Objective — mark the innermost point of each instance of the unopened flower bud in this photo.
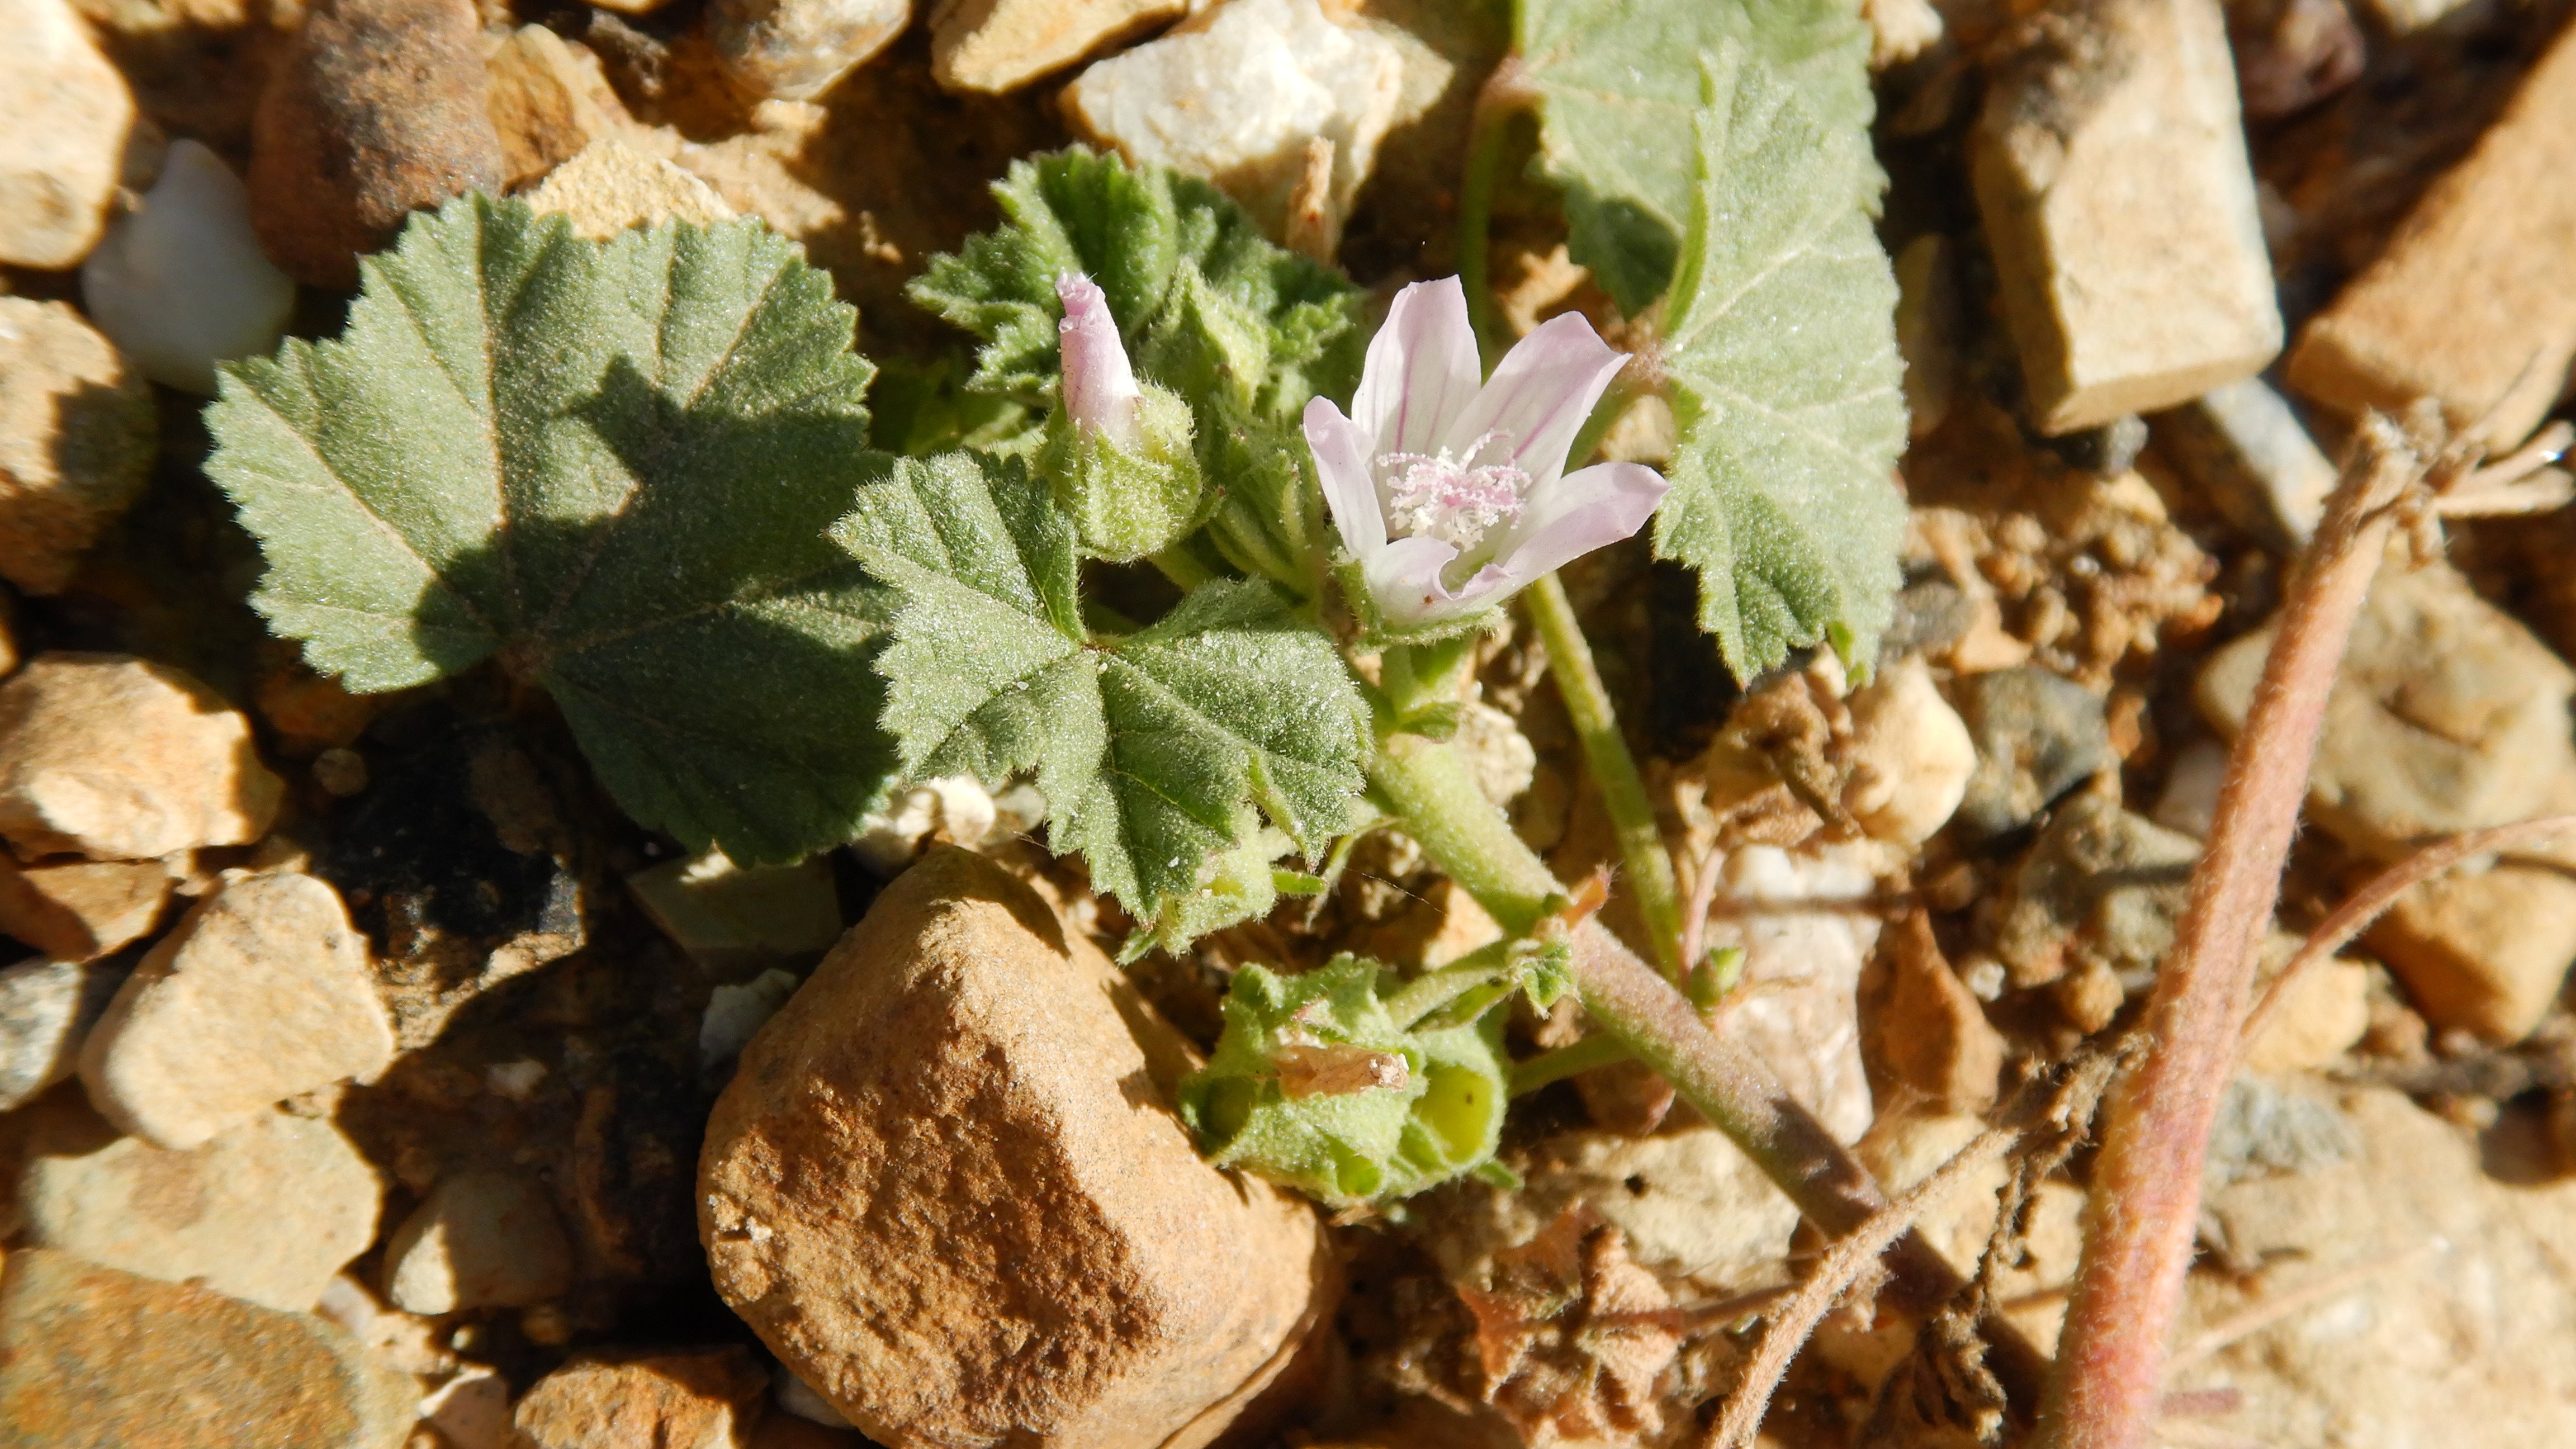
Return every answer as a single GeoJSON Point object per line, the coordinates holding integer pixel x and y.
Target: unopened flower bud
{"type": "Point", "coordinates": [1100, 392]}
{"type": "Point", "coordinates": [1117, 451]}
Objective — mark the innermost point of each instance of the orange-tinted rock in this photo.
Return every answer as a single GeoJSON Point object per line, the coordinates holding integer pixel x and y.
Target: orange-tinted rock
{"type": "Point", "coordinates": [120, 759]}
{"type": "Point", "coordinates": [946, 1187]}
{"type": "Point", "coordinates": [701, 1400]}
{"type": "Point", "coordinates": [377, 112]}
{"type": "Point", "coordinates": [91, 1358]}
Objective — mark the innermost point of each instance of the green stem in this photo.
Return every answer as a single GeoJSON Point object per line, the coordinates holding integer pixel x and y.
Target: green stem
{"type": "Point", "coordinates": [1430, 786]}
{"type": "Point", "coordinates": [1435, 989]}
{"type": "Point", "coordinates": [1614, 769]}
{"type": "Point", "coordinates": [1490, 131]}
{"type": "Point", "coordinates": [1600, 1049]}
{"type": "Point", "coordinates": [1184, 565]}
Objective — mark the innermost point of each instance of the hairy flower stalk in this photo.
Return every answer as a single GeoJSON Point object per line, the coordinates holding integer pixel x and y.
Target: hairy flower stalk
{"type": "Point", "coordinates": [1117, 450]}
{"type": "Point", "coordinates": [1449, 489]}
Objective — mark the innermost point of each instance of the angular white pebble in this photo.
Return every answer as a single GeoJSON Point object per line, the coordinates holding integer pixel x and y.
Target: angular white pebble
{"type": "Point", "coordinates": [181, 284]}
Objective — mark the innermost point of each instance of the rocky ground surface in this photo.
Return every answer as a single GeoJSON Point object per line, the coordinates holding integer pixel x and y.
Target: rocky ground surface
{"type": "Point", "coordinates": [366, 1077]}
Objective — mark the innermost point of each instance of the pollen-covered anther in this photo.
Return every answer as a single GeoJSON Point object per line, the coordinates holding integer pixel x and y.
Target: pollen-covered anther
{"type": "Point", "coordinates": [1450, 496]}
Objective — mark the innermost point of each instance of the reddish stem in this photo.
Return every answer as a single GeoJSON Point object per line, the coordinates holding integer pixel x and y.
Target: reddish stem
{"type": "Point", "coordinates": [2144, 1204]}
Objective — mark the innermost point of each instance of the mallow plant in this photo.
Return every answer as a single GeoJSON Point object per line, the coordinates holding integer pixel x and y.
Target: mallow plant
{"type": "Point", "coordinates": [644, 478]}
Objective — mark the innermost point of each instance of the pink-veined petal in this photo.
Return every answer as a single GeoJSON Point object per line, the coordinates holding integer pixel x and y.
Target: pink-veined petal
{"type": "Point", "coordinates": [1540, 394]}
{"type": "Point", "coordinates": [1587, 509]}
{"type": "Point", "coordinates": [1404, 579]}
{"type": "Point", "coordinates": [1100, 392]}
{"type": "Point", "coordinates": [1422, 370]}
{"type": "Point", "coordinates": [1341, 448]}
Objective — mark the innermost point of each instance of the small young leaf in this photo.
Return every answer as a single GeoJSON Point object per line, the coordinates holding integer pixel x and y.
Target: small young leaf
{"type": "Point", "coordinates": [1208, 307]}
{"type": "Point", "coordinates": [609, 466]}
{"type": "Point", "coordinates": [1314, 1085]}
{"type": "Point", "coordinates": [1157, 751]}
{"type": "Point", "coordinates": [1781, 345]}
{"type": "Point", "coordinates": [1617, 82]}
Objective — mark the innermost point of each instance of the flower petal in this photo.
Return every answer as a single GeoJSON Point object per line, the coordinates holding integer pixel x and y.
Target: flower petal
{"type": "Point", "coordinates": [1100, 392]}
{"type": "Point", "coordinates": [1539, 395]}
{"type": "Point", "coordinates": [1404, 579]}
{"type": "Point", "coordinates": [1584, 510]}
{"type": "Point", "coordinates": [1422, 370]}
{"type": "Point", "coordinates": [1342, 448]}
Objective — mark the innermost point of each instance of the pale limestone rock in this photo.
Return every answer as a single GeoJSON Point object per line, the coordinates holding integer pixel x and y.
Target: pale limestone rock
{"type": "Point", "coordinates": [2447, 1298]}
{"type": "Point", "coordinates": [977, 1219]}
{"type": "Point", "coordinates": [81, 910]}
{"type": "Point", "coordinates": [696, 1400]}
{"type": "Point", "coordinates": [1001, 45]}
{"type": "Point", "coordinates": [46, 1009]}
{"type": "Point", "coordinates": [2405, 16]}
{"type": "Point", "coordinates": [1806, 932]}
{"type": "Point", "coordinates": [261, 992]}
{"type": "Point", "coordinates": [2189, 803]}
{"type": "Point", "coordinates": [1692, 1206]}
{"type": "Point", "coordinates": [2469, 304]}
{"type": "Point", "coordinates": [404, 1342]}
{"type": "Point", "coordinates": [470, 1411]}
{"type": "Point", "coordinates": [121, 759]}
{"type": "Point", "coordinates": [91, 1356]}
{"type": "Point", "coordinates": [1901, 30]}
{"type": "Point", "coordinates": [2482, 951]}
{"type": "Point", "coordinates": [77, 433]}
{"type": "Point", "coordinates": [2322, 1015]}
{"type": "Point", "coordinates": [611, 186]}
{"type": "Point", "coordinates": [481, 1240]}
{"type": "Point", "coordinates": [794, 50]}
{"type": "Point", "coordinates": [65, 114]}
{"type": "Point", "coordinates": [1239, 93]}
{"type": "Point", "coordinates": [735, 1013]}
{"type": "Point", "coordinates": [2111, 173]}
{"type": "Point", "coordinates": [1911, 757]}
{"type": "Point", "coordinates": [736, 921]}
{"type": "Point", "coordinates": [2250, 454]}
{"type": "Point", "coordinates": [181, 284]}
{"type": "Point", "coordinates": [2447, 716]}
{"type": "Point", "coordinates": [267, 1212]}
{"type": "Point", "coordinates": [543, 106]}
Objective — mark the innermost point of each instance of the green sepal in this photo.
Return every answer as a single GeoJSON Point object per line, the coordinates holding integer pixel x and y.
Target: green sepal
{"type": "Point", "coordinates": [1304, 1088]}
{"type": "Point", "coordinates": [1126, 503]}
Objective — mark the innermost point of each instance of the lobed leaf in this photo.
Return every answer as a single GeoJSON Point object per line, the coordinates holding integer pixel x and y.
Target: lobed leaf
{"type": "Point", "coordinates": [610, 466]}
{"type": "Point", "coordinates": [1618, 82]}
{"type": "Point", "coordinates": [1159, 752]}
{"type": "Point", "coordinates": [1208, 306]}
{"type": "Point", "coordinates": [1780, 346]}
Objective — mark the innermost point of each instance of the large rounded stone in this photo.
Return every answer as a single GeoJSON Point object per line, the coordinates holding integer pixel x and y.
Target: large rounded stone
{"type": "Point", "coordinates": [946, 1187]}
{"type": "Point", "coordinates": [378, 112]}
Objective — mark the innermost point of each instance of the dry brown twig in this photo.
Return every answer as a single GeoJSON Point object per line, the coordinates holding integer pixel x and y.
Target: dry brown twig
{"type": "Point", "coordinates": [2373, 900]}
{"type": "Point", "coordinates": [2144, 1205]}
{"type": "Point", "coordinates": [2057, 1106]}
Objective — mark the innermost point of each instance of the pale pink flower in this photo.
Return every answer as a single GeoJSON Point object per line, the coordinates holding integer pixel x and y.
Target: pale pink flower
{"type": "Point", "coordinates": [1449, 489]}
{"type": "Point", "coordinates": [1100, 392]}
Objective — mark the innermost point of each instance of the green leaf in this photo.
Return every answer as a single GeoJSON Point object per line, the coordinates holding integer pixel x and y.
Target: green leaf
{"type": "Point", "coordinates": [1617, 83]}
{"type": "Point", "coordinates": [611, 467]}
{"type": "Point", "coordinates": [1159, 751]}
{"type": "Point", "coordinates": [1208, 307]}
{"type": "Point", "coordinates": [1780, 344]}
{"type": "Point", "coordinates": [1313, 1085]}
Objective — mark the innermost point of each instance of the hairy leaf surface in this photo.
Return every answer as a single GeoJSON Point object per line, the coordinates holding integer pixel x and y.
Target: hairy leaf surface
{"type": "Point", "coordinates": [1780, 342]}
{"type": "Point", "coordinates": [612, 467]}
{"type": "Point", "coordinates": [1208, 307]}
{"type": "Point", "coordinates": [1618, 82]}
{"type": "Point", "coordinates": [1157, 751]}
